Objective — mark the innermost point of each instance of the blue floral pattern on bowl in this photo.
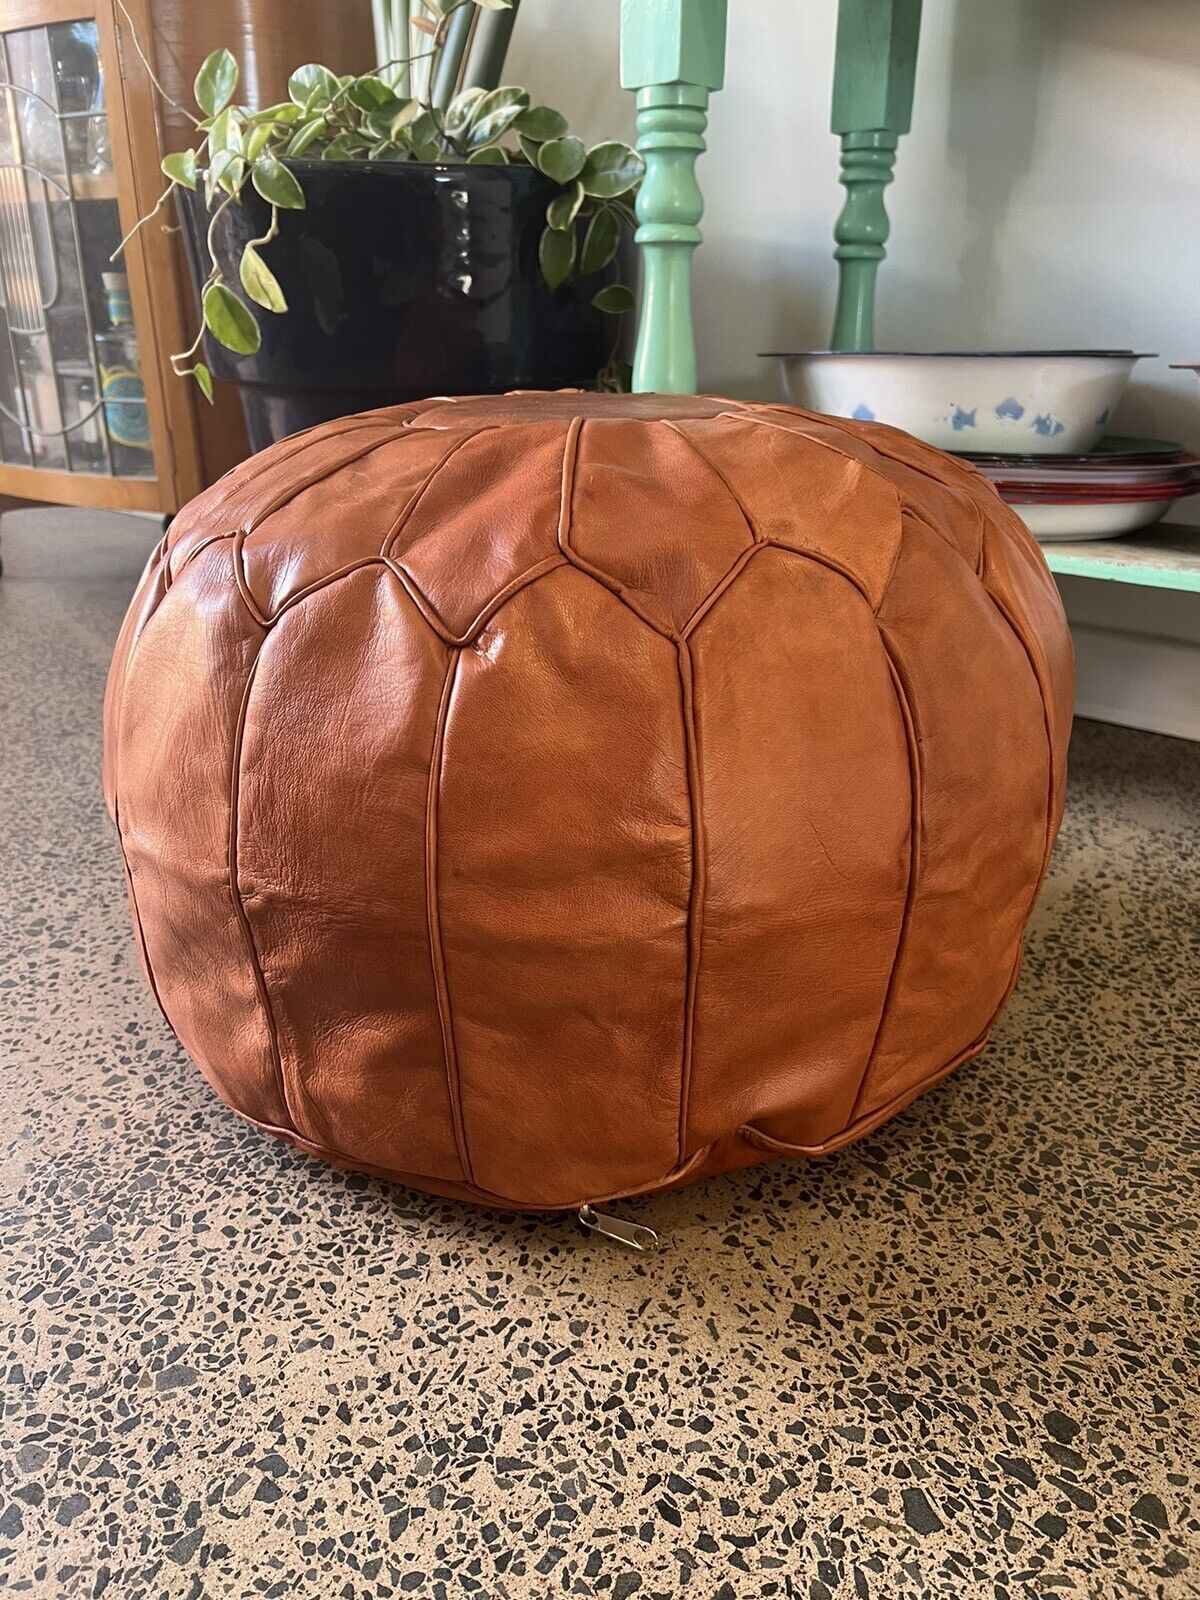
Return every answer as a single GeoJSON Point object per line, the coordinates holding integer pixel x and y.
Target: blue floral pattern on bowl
{"type": "Point", "coordinates": [1040, 402]}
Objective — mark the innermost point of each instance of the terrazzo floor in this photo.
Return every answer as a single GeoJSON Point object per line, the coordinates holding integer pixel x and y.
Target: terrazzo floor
{"type": "Point", "coordinates": [959, 1359]}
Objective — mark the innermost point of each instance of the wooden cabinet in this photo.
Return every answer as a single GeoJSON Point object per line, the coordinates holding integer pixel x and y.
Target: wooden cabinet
{"type": "Point", "coordinates": [90, 412]}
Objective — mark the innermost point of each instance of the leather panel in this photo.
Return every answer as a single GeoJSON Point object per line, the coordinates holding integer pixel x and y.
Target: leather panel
{"type": "Point", "coordinates": [241, 499]}
{"type": "Point", "coordinates": [806, 827]}
{"type": "Point", "coordinates": [196, 650]}
{"type": "Point", "coordinates": [809, 495]}
{"type": "Point", "coordinates": [984, 793]}
{"type": "Point", "coordinates": [331, 859]}
{"type": "Point", "coordinates": [281, 557]}
{"type": "Point", "coordinates": [440, 544]}
{"type": "Point", "coordinates": [146, 597]}
{"type": "Point", "coordinates": [666, 566]}
{"type": "Point", "coordinates": [564, 872]}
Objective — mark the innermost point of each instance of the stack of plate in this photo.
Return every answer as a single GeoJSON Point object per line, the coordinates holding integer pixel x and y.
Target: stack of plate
{"type": "Point", "coordinates": [1120, 485]}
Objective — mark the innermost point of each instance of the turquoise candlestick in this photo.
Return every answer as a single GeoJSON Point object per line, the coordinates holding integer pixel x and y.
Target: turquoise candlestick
{"type": "Point", "coordinates": [672, 56]}
{"type": "Point", "coordinates": [873, 79]}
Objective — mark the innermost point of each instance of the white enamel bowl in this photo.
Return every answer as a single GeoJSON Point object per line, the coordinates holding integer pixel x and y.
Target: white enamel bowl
{"type": "Point", "coordinates": [1026, 402]}
{"type": "Point", "coordinates": [1060, 523]}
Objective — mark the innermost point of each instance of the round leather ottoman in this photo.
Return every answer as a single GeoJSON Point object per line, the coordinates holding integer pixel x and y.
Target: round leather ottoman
{"type": "Point", "coordinates": [550, 797]}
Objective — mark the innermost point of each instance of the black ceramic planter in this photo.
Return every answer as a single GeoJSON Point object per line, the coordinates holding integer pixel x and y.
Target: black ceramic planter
{"type": "Point", "coordinates": [402, 280]}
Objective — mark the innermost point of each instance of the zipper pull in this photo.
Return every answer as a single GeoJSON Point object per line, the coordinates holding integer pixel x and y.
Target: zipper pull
{"type": "Point", "coordinates": [631, 1234]}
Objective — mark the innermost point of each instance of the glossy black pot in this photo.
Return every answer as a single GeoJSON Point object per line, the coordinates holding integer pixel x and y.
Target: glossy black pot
{"type": "Point", "coordinates": [402, 280]}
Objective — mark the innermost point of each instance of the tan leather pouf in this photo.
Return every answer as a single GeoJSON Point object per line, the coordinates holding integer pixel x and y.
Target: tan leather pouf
{"type": "Point", "coordinates": [545, 798]}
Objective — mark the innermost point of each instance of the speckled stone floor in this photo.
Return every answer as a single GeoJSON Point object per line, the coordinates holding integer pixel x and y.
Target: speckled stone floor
{"type": "Point", "coordinates": [959, 1359]}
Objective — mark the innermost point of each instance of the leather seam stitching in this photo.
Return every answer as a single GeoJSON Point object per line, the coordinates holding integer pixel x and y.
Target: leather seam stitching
{"type": "Point", "coordinates": [298, 442]}
{"type": "Point", "coordinates": [235, 889]}
{"type": "Point", "coordinates": [286, 496]}
{"type": "Point", "coordinates": [572, 556]}
{"type": "Point", "coordinates": [253, 523]}
{"type": "Point", "coordinates": [1048, 846]}
{"type": "Point", "coordinates": [489, 1197]}
{"type": "Point", "coordinates": [500, 599]}
{"type": "Point", "coordinates": [243, 583]}
{"type": "Point", "coordinates": [711, 466]}
{"type": "Point", "coordinates": [735, 571]}
{"type": "Point", "coordinates": [205, 544]}
{"type": "Point", "coordinates": [916, 790]}
{"type": "Point", "coordinates": [437, 954]}
{"type": "Point", "coordinates": [881, 1114]}
{"type": "Point", "coordinates": [762, 422]}
{"type": "Point", "coordinates": [831, 566]}
{"type": "Point", "coordinates": [398, 526]}
{"type": "Point", "coordinates": [696, 891]}
{"type": "Point", "coordinates": [539, 570]}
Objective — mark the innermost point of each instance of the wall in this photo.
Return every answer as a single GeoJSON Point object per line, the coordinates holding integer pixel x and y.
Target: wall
{"type": "Point", "coordinates": [1048, 195]}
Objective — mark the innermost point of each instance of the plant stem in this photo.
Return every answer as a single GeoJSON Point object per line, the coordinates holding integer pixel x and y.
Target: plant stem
{"type": "Point", "coordinates": [271, 233]}
{"type": "Point", "coordinates": [142, 57]}
{"type": "Point", "coordinates": [142, 221]}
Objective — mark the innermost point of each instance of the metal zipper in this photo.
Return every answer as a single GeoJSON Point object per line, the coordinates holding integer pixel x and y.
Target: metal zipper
{"type": "Point", "coordinates": [631, 1234]}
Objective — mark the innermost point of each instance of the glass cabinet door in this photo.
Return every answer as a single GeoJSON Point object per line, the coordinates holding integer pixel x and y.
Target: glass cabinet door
{"type": "Point", "coordinates": [71, 390]}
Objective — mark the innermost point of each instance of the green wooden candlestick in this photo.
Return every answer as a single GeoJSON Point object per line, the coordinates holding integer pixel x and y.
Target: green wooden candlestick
{"type": "Point", "coordinates": [672, 56]}
{"type": "Point", "coordinates": [872, 106]}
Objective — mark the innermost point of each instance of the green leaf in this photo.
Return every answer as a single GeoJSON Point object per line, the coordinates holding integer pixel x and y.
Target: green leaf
{"type": "Point", "coordinates": [495, 114]}
{"type": "Point", "coordinates": [226, 171]}
{"type": "Point", "coordinates": [215, 82]}
{"type": "Point", "coordinates": [371, 94]}
{"type": "Point", "coordinates": [425, 139]}
{"type": "Point", "coordinates": [556, 255]}
{"type": "Point", "coordinates": [614, 297]}
{"type": "Point", "coordinates": [564, 208]}
{"type": "Point", "coordinates": [312, 86]}
{"type": "Point", "coordinates": [539, 123]}
{"type": "Point", "coordinates": [276, 184]}
{"type": "Point", "coordinates": [304, 136]}
{"type": "Point", "coordinates": [229, 322]}
{"type": "Point", "coordinates": [204, 378]}
{"type": "Point", "coordinates": [388, 122]}
{"type": "Point", "coordinates": [562, 159]}
{"type": "Point", "coordinates": [345, 147]}
{"type": "Point", "coordinates": [495, 5]}
{"type": "Point", "coordinates": [461, 110]}
{"type": "Point", "coordinates": [284, 111]}
{"type": "Point", "coordinates": [600, 242]}
{"type": "Point", "coordinates": [180, 167]}
{"type": "Point", "coordinates": [611, 169]}
{"type": "Point", "coordinates": [225, 131]}
{"type": "Point", "coordinates": [258, 139]}
{"type": "Point", "coordinates": [259, 282]}
{"type": "Point", "coordinates": [490, 156]}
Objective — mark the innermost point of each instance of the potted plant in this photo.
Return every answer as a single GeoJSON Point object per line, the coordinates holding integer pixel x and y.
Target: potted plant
{"type": "Point", "coordinates": [377, 238]}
